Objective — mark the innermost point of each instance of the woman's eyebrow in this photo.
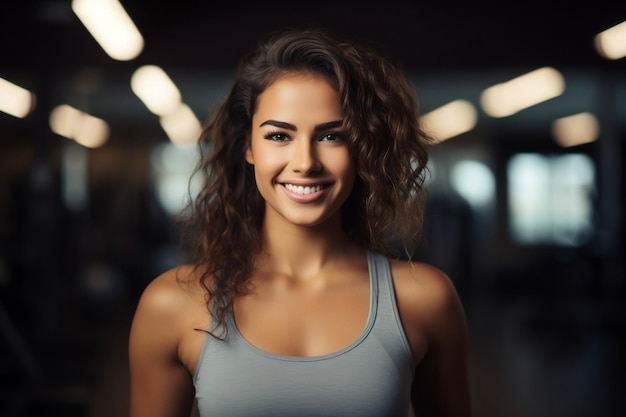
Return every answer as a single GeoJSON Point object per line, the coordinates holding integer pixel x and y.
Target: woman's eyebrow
{"type": "Point", "coordinates": [289, 126]}
{"type": "Point", "coordinates": [282, 125]}
{"type": "Point", "coordinates": [329, 125]}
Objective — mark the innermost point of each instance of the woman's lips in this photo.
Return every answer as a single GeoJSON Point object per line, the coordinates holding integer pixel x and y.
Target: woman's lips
{"type": "Point", "coordinates": [304, 193]}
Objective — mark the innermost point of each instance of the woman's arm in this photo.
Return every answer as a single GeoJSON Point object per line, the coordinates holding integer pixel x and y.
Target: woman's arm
{"type": "Point", "coordinates": [160, 386]}
{"type": "Point", "coordinates": [435, 324]}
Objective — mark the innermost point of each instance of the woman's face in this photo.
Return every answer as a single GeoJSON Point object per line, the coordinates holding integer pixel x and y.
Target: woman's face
{"type": "Point", "coordinates": [302, 165]}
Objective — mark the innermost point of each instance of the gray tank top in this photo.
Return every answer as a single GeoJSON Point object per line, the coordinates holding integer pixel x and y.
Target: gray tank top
{"type": "Point", "coordinates": [369, 378]}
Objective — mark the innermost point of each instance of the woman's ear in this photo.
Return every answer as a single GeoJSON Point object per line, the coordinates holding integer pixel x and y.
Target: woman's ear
{"type": "Point", "coordinates": [249, 157]}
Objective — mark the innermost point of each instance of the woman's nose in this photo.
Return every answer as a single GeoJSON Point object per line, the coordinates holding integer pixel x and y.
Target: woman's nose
{"type": "Point", "coordinates": [304, 158]}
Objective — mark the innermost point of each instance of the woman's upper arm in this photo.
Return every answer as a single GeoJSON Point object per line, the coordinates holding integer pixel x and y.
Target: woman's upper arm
{"type": "Point", "coordinates": [433, 315]}
{"type": "Point", "coordinates": [160, 386]}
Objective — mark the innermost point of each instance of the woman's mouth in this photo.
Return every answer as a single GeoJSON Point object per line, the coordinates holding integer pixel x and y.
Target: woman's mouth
{"type": "Point", "coordinates": [304, 189]}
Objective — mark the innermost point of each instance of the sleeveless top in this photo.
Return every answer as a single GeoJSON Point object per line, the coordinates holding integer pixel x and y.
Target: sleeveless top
{"type": "Point", "coordinates": [369, 378]}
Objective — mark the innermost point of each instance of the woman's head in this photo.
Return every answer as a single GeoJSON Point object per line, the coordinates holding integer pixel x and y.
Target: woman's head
{"type": "Point", "coordinates": [383, 136]}
{"type": "Point", "coordinates": [380, 121]}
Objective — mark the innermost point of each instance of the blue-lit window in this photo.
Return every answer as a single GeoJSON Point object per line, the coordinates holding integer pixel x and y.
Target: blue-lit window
{"type": "Point", "coordinates": [172, 168]}
{"type": "Point", "coordinates": [550, 198]}
{"type": "Point", "coordinates": [475, 182]}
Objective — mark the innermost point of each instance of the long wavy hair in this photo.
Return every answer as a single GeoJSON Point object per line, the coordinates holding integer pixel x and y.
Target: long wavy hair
{"type": "Point", "coordinates": [222, 224]}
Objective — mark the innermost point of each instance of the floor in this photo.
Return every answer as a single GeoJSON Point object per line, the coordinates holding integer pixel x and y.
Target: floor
{"type": "Point", "coordinates": [531, 355]}
{"type": "Point", "coordinates": [535, 356]}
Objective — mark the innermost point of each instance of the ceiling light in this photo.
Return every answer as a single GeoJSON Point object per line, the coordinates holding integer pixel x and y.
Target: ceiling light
{"type": "Point", "coordinates": [510, 97]}
{"type": "Point", "coordinates": [182, 126]}
{"type": "Point", "coordinates": [611, 43]}
{"type": "Point", "coordinates": [576, 130]}
{"type": "Point", "coordinates": [157, 91]}
{"type": "Point", "coordinates": [450, 120]}
{"type": "Point", "coordinates": [74, 124]}
{"type": "Point", "coordinates": [111, 27]}
{"type": "Point", "coordinates": [15, 100]}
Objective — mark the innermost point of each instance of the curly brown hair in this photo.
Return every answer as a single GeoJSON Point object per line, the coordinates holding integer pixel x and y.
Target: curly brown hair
{"type": "Point", "coordinates": [223, 223]}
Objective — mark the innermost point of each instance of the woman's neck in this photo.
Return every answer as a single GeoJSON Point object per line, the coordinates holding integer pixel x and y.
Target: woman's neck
{"type": "Point", "coordinates": [301, 251]}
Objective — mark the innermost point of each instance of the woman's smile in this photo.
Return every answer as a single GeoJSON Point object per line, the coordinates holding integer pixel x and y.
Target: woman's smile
{"type": "Point", "coordinates": [305, 193]}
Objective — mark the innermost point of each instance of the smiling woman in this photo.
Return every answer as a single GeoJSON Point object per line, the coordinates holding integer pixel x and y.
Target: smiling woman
{"type": "Point", "coordinates": [298, 301]}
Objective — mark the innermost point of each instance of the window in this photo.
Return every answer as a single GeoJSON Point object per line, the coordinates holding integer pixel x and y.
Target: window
{"type": "Point", "coordinates": [172, 168]}
{"type": "Point", "coordinates": [475, 182]}
{"type": "Point", "coordinates": [550, 198]}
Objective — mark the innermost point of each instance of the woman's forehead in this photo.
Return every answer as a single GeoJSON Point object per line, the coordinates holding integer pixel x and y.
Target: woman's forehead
{"type": "Point", "coordinates": [299, 96]}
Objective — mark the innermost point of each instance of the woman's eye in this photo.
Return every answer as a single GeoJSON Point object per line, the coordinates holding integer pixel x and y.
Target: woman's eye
{"type": "Point", "coordinates": [331, 137]}
{"type": "Point", "coordinates": [275, 136]}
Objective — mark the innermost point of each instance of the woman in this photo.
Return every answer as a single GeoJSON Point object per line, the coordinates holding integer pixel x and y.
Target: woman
{"type": "Point", "coordinates": [299, 301]}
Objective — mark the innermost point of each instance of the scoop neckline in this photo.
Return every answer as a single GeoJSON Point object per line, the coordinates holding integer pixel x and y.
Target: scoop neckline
{"type": "Point", "coordinates": [373, 306]}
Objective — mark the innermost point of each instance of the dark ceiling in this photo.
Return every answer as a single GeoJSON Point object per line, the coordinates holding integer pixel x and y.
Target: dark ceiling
{"type": "Point", "coordinates": [44, 41]}
{"type": "Point", "coordinates": [421, 34]}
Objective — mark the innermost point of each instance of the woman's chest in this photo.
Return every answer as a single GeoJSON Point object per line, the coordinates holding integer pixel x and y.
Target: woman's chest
{"type": "Point", "coordinates": [298, 322]}
{"type": "Point", "coordinates": [358, 381]}
{"type": "Point", "coordinates": [307, 357]}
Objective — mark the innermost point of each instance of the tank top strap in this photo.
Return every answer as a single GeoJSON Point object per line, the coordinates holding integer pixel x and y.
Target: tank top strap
{"type": "Point", "coordinates": [388, 323]}
{"type": "Point", "coordinates": [380, 275]}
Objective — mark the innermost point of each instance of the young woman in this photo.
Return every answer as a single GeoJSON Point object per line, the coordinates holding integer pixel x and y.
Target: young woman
{"type": "Point", "coordinates": [300, 301]}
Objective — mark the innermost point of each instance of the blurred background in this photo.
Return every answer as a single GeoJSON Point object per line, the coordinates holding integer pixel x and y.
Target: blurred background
{"type": "Point", "coordinates": [526, 194]}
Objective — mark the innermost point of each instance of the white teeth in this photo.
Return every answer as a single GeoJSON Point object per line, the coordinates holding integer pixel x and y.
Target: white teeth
{"type": "Point", "coordinates": [298, 189]}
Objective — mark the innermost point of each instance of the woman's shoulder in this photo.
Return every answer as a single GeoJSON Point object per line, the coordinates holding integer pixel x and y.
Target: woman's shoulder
{"type": "Point", "coordinates": [173, 290]}
{"type": "Point", "coordinates": [424, 292]}
{"type": "Point", "coordinates": [419, 274]}
{"type": "Point", "coordinates": [169, 306]}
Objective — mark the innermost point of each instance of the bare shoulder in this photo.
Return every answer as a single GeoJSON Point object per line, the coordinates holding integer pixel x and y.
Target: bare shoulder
{"type": "Point", "coordinates": [434, 322]}
{"type": "Point", "coordinates": [422, 282]}
{"type": "Point", "coordinates": [172, 289]}
{"type": "Point", "coordinates": [426, 295]}
{"type": "Point", "coordinates": [171, 299]}
{"type": "Point", "coordinates": [160, 356]}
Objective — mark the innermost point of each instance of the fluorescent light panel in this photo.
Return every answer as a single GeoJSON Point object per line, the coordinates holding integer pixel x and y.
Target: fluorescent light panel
{"type": "Point", "coordinates": [111, 27]}
{"type": "Point", "coordinates": [155, 89]}
{"type": "Point", "coordinates": [611, 43]}
{"type": "Point", "coordinates": [576, 130]}
{"type": "Point", "coordinates": [527, 90]}
{"type": "Point", "coordinates": [15, 100]}
{"type": "Point", "coordinates": [452, 119]}
{"type": "Point", "coordinates": [182, 126]}
{"type": "Point", "coordinates": [74, 124]}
